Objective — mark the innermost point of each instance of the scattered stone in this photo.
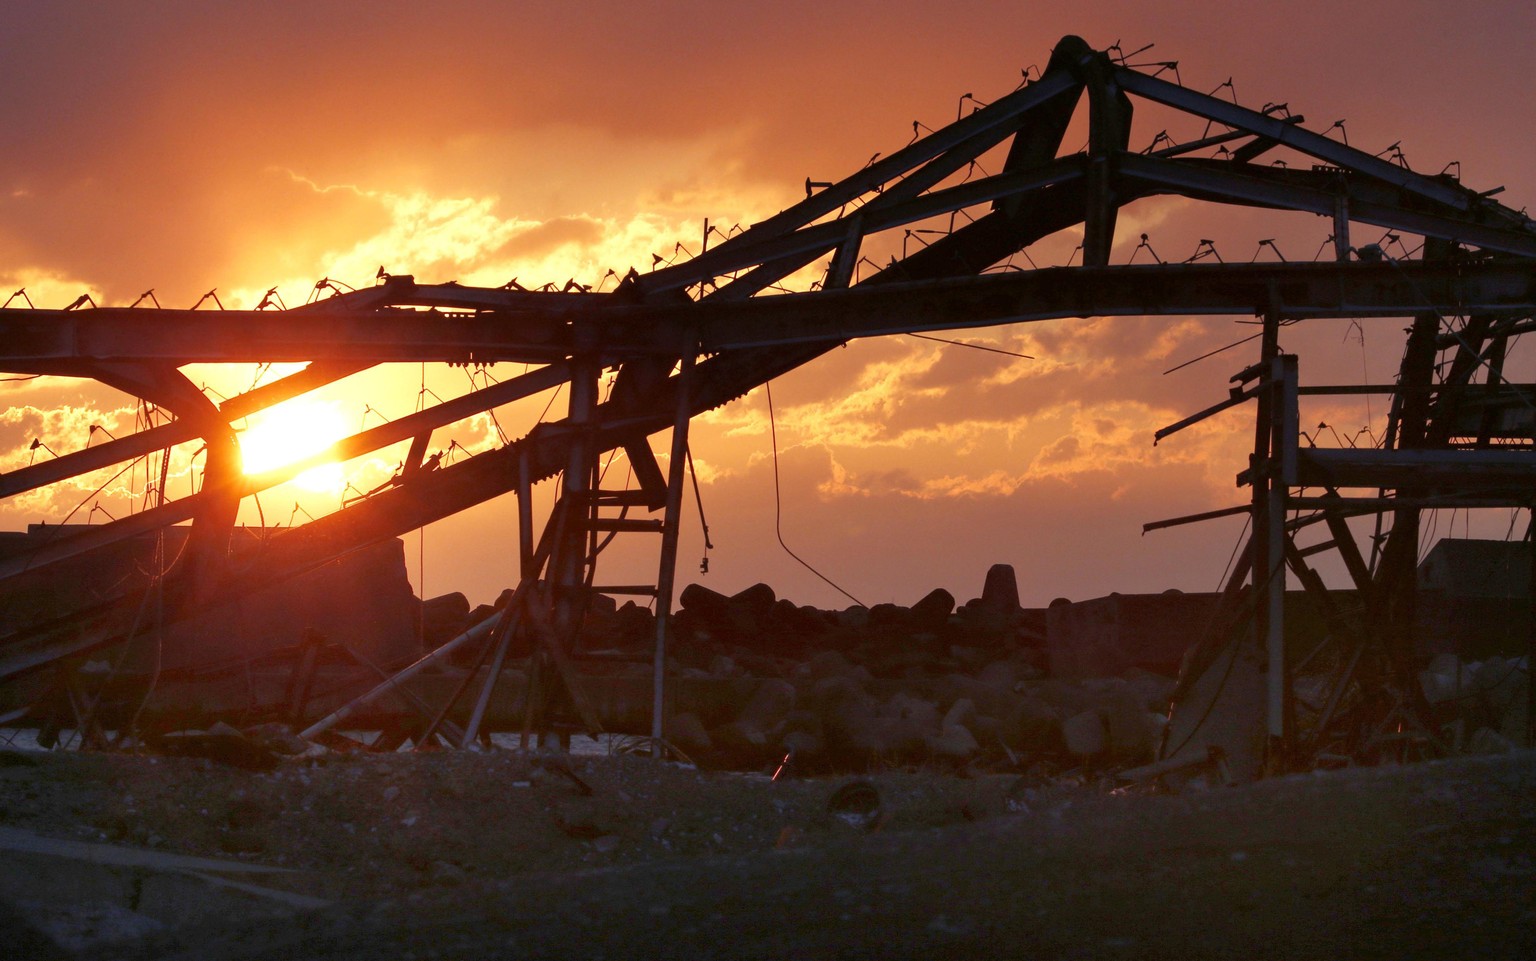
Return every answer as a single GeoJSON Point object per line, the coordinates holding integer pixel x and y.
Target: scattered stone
{"type": "Point", "coordinates": [687, 732]}
{"type": "Point", "coordinates": [962, 713]}
{"type": "Point", "coordinates": [1085, 735]}
{"type": "Point", "coordinates": [770, 705]}
{"type": "Point", "coordinates": [931, 614]}
{"type": "Point", "coordinates": [443, 618]}
{"type": "Point", "coordinates": [1001, 590]}
{"type": "Point", "coordinates": [953, 741]}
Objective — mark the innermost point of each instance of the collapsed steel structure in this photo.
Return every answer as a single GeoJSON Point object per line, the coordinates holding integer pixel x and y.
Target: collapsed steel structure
{"type": "Point", "coordinates": [691, 336]}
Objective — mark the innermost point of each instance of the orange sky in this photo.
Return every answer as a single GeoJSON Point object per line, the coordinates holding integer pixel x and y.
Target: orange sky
{"type": "Point", "coordinates": [184, 147]}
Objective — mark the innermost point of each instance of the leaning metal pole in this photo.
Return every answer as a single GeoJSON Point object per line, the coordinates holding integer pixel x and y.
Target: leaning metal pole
{"type": "Point", "coordinates": [666, 575]}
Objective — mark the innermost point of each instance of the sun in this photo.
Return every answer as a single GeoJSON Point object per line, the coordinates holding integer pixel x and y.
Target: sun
{"type": "Point", "coordinates": [290, 432]}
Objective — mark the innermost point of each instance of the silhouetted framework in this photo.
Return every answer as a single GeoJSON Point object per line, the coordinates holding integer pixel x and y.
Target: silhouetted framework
{"type": "Point", "coordinates": [691, 336]}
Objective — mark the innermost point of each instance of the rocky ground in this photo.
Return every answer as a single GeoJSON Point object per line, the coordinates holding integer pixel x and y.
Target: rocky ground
{"type": "Point", "coordinates": [470, 855]}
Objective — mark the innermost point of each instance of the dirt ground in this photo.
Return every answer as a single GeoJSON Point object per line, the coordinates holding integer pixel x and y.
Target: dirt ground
{"type": "Point", "coordinates": [467, 855]}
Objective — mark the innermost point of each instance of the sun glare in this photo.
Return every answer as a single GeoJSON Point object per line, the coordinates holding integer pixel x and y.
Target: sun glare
{"type": "Point", "coordinates": [292, 432]}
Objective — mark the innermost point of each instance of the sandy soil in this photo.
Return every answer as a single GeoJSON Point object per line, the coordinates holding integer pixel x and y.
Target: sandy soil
{"type": "Point", "coordinates": [497, 855]}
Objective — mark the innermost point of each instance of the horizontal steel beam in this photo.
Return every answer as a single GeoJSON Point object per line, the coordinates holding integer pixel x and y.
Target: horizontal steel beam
{"type": "Point", "coordinates": [1234, 186]}
{"type": "Point", "coordinates": [617, 329]}
{"type": "Point", "coordinates": [1291, 291]}
{"type": "Point", "coordinates": [1468, 472]}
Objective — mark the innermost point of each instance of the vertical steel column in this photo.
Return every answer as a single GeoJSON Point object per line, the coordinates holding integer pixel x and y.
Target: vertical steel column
{"type": "Point", "coordinates": [569, 563]}
{"type": "Point", "coordinates": [1269, 533]}
{"type": "Point", "coordinates": [1285, 421]}
{"type": "Point", "coordinates": [524, 517]}
{"type": "Point", "coordinates": [1341, 245]}
{"type": "Point", "coordinates": [667, 572]}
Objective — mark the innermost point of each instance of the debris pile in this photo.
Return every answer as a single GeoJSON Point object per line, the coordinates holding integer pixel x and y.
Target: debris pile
{"type": "Point", "coordinates": [1483, 706]}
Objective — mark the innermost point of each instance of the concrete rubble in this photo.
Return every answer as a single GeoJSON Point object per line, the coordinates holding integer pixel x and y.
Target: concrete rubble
{"type": "Point", "coordinates": [928, 683]}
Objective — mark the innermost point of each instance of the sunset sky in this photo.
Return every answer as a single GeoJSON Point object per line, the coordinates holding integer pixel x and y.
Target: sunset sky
{"type": "Point", "coordinates": [190, 146]}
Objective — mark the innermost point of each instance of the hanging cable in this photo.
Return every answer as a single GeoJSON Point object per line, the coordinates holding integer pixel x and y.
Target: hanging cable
{"type": "Point", "coordinates": [778, 503]}
{"type": "Point", "coordinates": [957, 343]}
{"type": "Point", "coordinates": [699, 499]}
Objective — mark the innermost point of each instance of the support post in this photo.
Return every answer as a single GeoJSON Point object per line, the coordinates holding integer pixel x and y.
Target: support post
{"type": "Point", "coordinates": [667, 572]}
{"type": "Point", "coordinates": [1269, 531]}
{"type": "Point", "coordinates": [525, 567]}
{"type": "Point", "coordinates": [1341, 225]}
{"type": "Point", "coordinates": [1284, 417]}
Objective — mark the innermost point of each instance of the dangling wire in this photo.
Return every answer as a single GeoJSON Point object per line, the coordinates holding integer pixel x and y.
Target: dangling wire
{"type": "Point", "coordinates": [778, 504]}
{"type": "Point", "coordinates": [699, 499]}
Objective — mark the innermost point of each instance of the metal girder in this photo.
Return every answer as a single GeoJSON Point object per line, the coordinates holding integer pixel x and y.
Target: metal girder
{"type": "Point", "coordinates": [418, 424]}
{"type": "Point", "coordinates": [1261, 186]}
{"type": "Point", "coordinates": [1475, 472]}
{"type": "Point", "coordinates": [1293, 136]}
{"type": "Point", "coordinates": [1297, 290]}
{"type": "Point", "coordinates": [981, 129]}
{"type": "Point", "coordinates": [176, 432]}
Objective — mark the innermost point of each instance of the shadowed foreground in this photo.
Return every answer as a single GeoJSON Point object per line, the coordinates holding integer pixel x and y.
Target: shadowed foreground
{"type": "Point", "coordinates": [1433, 860]}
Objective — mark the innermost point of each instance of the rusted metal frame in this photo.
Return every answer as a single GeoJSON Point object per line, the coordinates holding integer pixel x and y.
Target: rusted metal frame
{"type": "Point", "coordinates": [550, 643]}
{"type": "Point", "coordinates": [1366, 506]}
{"type": "Point", "coordinates": [1272, 470]}
{"type": "Point", "coordinates": [1349, 551]}
{"type": "Point", "coordinates": [1396, 575]}
{"type": "Point", "coordinates": [568, 559]}
{"type": "Point", "coordinates": [783, 254]}
{"type": "Point", "coordinates": [1195, 518]}
{"type": "Point", "coordinates": [740, 372]}
{"type": "Point", "coordinates": [108, 334]}
{"type": "Point", "coordinates": [653, 484]}
{"type": "Point", "coordinates": [1253, 187]}
{"type": "Point", "coordinates": [198, 504]}
{"type": "Point", "coordinates": [1338, 626]}
{"type": "Point", "coordinates": [508, 623]}
{"type": "Point", "coordinates": [1036, 144]}
{"type": "Point", "coordinates": [512, 617]}
{"type": "Point", "coordinates": [666, 575]}
{"type": "Point", "coordinates": [168, 435]}
{"type": "Point", "coordinates": [417, 425]}
{"type": "Point", "coordinates": [1413, 469]}
{"type": "Point", "coordinates": [1109, 134]}
{"type": "Point", "coordinates": [1037, 134]}
{"type": "Point", "coordinates": [846, 255]}
{"type": "Point", "coordinates": [982, 124]}
{"type": "Point", "coordinates": [406, 696]}
{"type": "Point", "coordinates": [1308, 291]}
{"type": "Point", "coordinates": [1341, 218]}
{"type": "Point", "coordinates": [206, 552]}
{"type": "Point", "coordinates": [524, 516]}
{"type": "Point", "coordinates": [392, 682]}
{"type": "Point", "coordinates": [1293, 136]}
{"type": "Point", "coordinates": [1215, 140]}
{"type": "Point", "coordinates": [1468, 358]}
{"type": "Point", "coordinates": [402, 291]}
{"type": "Point", "coordinates": [1238, 396]}
{"type": "Point", "coordinates": [1498, 348]}
{"type": "Point", "coordinates": [496, 641]}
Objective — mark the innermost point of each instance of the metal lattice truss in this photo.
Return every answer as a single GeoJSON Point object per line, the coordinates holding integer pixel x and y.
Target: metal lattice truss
{"type": "Point", "coordinates": [691, 336]}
